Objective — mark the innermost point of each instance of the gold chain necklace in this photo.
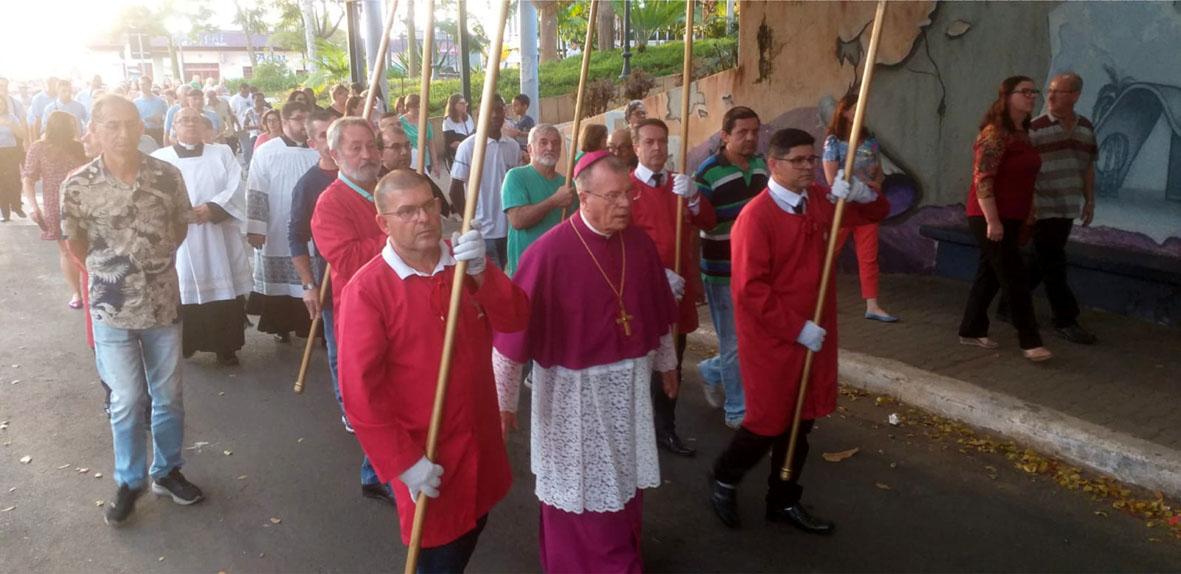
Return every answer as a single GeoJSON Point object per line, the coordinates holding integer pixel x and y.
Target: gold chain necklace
{"type": "Point", "coordinates": [623, 319]}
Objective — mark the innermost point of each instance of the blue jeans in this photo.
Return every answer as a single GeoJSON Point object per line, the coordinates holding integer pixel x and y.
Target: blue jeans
{"type": "Point", "coordinates": [368, 475]}
{"type": "Point", "coordinates": [138, 364]}
{"type": "Point", "coordinates": [722, 369]}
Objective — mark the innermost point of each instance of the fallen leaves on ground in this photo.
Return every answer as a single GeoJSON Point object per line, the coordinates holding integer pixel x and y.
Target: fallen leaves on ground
{"type": "Point", "coordinates": [1152, 508]}
{"type": "Point", "coordinates": [7, 509]}
{"type": "Point", "coordinates": [883, 486]}
{"type": "Point", "coordinates": [26, 459]}
{"type": "Point", "coordinates": [839, 456]}
{"type": "Point", "coordinates": [276, 520]}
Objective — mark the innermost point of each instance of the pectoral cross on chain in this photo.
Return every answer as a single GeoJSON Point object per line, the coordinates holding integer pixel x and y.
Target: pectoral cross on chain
{"type": "Point", "coordinates": [625, 320]}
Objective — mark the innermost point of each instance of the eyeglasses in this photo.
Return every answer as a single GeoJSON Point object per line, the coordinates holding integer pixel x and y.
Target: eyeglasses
{"type": "Point", "coordinates": [398, 147]}
{"type": "Point", "coordinates": [114, 126]}
{"type": "Point", "coordinates": [1027, 92]}
{"type": "Point", "coordinates": [411, 212]}
{"type": "Point", "coordinates": [1054, 92]}
{"type": "Point", "coordinates": [801, 161]}
{"type": "Point", "coordinates": [613, 197]}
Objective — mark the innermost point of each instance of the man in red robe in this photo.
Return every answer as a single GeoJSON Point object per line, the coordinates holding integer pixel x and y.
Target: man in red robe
{"type": "Point", "coordinates": [346, 234]}
{"type": "Point", "coordinates": [391, 327]}
{"type": "Point", "coordinates": [778, 245]}
{"type": "Point", "coordinates": [654, 209]}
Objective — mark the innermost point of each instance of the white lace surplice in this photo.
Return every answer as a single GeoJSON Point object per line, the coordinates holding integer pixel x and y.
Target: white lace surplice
{"type": "Point", "coordinates": [593, 441]}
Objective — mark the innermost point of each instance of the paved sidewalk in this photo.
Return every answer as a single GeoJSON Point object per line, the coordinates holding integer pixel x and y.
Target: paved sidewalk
{"type": "Point", "coordinates": [1111, 406]}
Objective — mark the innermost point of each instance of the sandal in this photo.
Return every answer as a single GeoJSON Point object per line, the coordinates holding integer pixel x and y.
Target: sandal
{"type": "Point", "coordinates": [982, 342]}
{"type": "Point", "coordinates": [74, 304]}
{"type": "Point", "coordinates": [1037, 354]}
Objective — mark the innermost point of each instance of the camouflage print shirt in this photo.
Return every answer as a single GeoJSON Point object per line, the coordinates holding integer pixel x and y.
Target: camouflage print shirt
{"type": "Point", "coordinates": [131, 230]}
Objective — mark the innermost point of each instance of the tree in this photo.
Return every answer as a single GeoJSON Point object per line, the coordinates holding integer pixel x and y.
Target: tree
{"type": "Point", "coordinates": [302, 22]}
{"type": "Point", "coordinates": [411, 41]}
{"type": "Point", "coordinates": [250, 20]}
{"type": "Point", "coordinates": [547, 15]}
{"type": "Point", "coordinates": [309, 31]}
{"type": "Point", "coordinates": [139, 19]}
{"type": "Point", "coordinates": [651, 16]}
{"type": "Point", "coordinates": [605, 27]}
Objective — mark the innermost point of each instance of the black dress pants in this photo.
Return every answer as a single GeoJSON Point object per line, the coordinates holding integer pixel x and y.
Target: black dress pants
{"type": "Point", "coordinates": [664, 409]}
{"type": "Point", "coordinates": [453, 556]}
{"type": "Point", "coordinates": [1049, 246]}
{"type": "Point", "coordinates": [1000, 269]}
{"type": "Point", "coordinates": [746, 449]}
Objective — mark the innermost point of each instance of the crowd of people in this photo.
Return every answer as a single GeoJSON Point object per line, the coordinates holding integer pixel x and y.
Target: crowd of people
{"type": "Point", "coordinates": [181, 212]}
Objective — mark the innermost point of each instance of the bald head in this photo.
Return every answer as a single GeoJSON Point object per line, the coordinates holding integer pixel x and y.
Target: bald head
{"type": "Point", "coordinates": [397, 183]}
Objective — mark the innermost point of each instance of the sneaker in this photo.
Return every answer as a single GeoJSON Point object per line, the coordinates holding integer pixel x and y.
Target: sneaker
{"type": "Point", "coordinates": [378, 491]}
{"type": "Point", "coordinates": [529, 381]}
{"type": "Point", "coordinates": [178, 487]}
{"type": "Point", "coordinates": [117, 512]}
{"type": "Point", "coordinates": [1076, 334]}
{"type": "Point", "coordinates": [734, 424]}
{"type": "Point", "coordinates": [347, 427]}
{"type": "Point", "coordinates": [714, 395]}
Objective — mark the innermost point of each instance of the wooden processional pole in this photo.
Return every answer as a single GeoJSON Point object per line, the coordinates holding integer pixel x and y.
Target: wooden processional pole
{"type": "Point", "coordinates": [686, 79]}
{"type": "Point", "coordinates": [375, 76]}
{"type": "Point", "coordinates": [580, 96]}
{"type": "Point", "coordinates": [491, 74]}
{"type": "Point", "coordinates": [424, 91]}
{"type": "Point", "coordinates": [854, 140]}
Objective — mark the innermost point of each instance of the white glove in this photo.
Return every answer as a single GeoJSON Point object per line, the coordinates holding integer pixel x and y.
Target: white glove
{"type": "Point", "coordinates": [469, 247]}
{"type": "Point", "coordinates": [858, 192]}
{"type": "Point", "coordinates": [812, 336]}
{"type": "Point", "coordinates": [684, 187]}
{"type": "Point", "coordinates": [676, 283]}
{"type": "Point", "coordinates": [423, 477]}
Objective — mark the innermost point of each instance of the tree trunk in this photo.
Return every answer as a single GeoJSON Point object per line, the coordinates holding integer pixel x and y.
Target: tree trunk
{"type": "Point", "coordinates": [411, 41]}
{"type": "Point", "coordinates": [248, 32]}
{"type": "Point", "coordinates": [309, 32]}
{"type": "Point", "coordinates": [547, 13]}
{"type": "Point", "coordinates": [605, 28]}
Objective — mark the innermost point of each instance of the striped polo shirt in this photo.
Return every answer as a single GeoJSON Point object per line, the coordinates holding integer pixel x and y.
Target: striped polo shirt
{"type": "Point", "coordinates": [1066, 155]}
{"type": "Point", "coordinates": [728, 188]}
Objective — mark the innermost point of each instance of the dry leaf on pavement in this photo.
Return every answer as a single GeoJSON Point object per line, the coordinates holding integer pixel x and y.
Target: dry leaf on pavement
{"type": "Point", "coordinates": [839, 456]}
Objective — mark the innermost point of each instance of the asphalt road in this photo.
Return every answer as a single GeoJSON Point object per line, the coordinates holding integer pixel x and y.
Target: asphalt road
{"type": "Point", "coordinates": [266, 453]}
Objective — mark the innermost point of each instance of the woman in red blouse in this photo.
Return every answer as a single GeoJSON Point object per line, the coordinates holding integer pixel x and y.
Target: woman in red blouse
{"type": "Point", "coordinates": [1000, 205]}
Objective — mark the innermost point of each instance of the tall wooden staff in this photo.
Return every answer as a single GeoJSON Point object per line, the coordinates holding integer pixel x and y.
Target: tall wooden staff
{"type": "Point", "coordinates": [583, 73]}
{"type": "Point", "coordinates": [491, 75]}
{"type": "Point", "coordinates": [375, 76]}
{"type": "Point", "coordinates": [424, 91]}
{"type": "Point", "coordinates": [854, 141]}
{"type": "Point", "coordinates": [686, 79]}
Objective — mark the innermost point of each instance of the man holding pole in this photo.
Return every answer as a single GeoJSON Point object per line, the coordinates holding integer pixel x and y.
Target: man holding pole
{"type": "Point", "coordinates": [534, 195]}
{"type": "Point", "coordinates": [347, 237]}
{"type": "Point", "coordinates": [654, 209]}
{"type": "Point", "coordinates": [779, 243]}
{"type": "Point", "coordinates": [600, 327]}
{"type": "Point", "coordinates": [392, 323]}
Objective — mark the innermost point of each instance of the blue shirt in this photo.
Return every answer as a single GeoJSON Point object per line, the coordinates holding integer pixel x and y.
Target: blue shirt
{"type": "Point", "coordinates": [37, 105]}
{"type": "Point", "coordinates": [303, 202]}
{"type": "Point", "coordinates": [72, 107]}
{"type": "Point", "coordinates": [150, 107]}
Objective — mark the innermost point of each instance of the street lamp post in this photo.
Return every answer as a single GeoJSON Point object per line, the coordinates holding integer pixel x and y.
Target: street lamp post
{"type": "Point", "coordinates": [627, 35]}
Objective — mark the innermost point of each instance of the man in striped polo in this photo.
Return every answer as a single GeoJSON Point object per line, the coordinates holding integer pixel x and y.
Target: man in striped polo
{"type": "Point", "coordinates": [1066, 142]}
{"type": "Point", "coordinates": [728, 179]}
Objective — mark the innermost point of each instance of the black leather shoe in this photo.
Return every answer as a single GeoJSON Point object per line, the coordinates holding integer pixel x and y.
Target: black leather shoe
{"type": "Point", "coordinates": [798, 516]}
{"type": "Point", "coordinates": [1076, 334]}
{"type": "Point", "coordinates": [378, 491]}
{"type": "Point", "coordinates": [724, 502]}
{"type": "Point", "coordinates": [672, 443]}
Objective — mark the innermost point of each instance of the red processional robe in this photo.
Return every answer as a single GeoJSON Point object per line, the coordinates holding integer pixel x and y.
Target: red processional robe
{"type": "Point", "coordinates": [654, 209]}
{"type": "Point", "coordinates": [390, 337]}
{"type": "Point", "coordinates": [344, 225]}
{"type": "Point", "coordinates": [777, 258]}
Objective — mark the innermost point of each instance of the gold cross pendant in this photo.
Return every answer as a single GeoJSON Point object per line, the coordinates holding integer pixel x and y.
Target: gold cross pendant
{"type": "Point", "coordinates": [625, 320]}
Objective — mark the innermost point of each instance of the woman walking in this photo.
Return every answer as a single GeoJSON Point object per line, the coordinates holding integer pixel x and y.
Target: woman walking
{"type": "Point", "coordinates": [867, 165]}
{"type": "Point", "coordinates": [50, 160]}
{"type": "Point", "coordinates": [999, 208]}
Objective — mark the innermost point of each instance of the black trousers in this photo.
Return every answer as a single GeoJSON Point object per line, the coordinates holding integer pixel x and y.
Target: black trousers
{"type": "Point", "coordinates": [1049, 265]}
{"type": "Point", "coordinates": [452, 556]}
{"type": "Point", "coordinates": [664, 409]}
{"type": "Point", "coordinates": [1000, 269]}
{"type": "Point", "coordinates": [746, 449]}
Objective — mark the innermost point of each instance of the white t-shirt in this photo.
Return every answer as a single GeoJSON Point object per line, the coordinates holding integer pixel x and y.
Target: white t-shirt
{"type": "Point", "coordinates": [501, 156]}
{"type": "Point", "coordinates": [466, 127]}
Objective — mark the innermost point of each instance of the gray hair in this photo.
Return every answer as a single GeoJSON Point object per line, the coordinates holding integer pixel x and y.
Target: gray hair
{"type": "Point", "coordinates": [1076, 81]}
{"type": "Point", "coordinates": [99, 109]}
{"type": "Point", "coordinates": [336, 130]}
{"type": "Point", "coordinates": [541, 129]}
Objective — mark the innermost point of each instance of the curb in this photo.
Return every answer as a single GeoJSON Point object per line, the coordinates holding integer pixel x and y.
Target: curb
{"type": "Point", "coordinates": [1120, 455]}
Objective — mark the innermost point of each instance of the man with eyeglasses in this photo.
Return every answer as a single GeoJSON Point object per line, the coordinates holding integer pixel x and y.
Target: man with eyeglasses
{"type": "Point", "coordinates": [347, 237]}
{"type": "Point", "coordinates": [392, 323]}
{"type": "Point", "coordinates": [1064, 191]}
{"type": "Point", "coordinates": [600, 329]}
{"type": "Point", "coordinates": [124, 215]}
{"type": "Point", "coordinates": [728, 180]}
{"type": "Point", "coordinates": [395, 154]}
{"type": "Point", "coordinates": [534, 195]}
{"type": "Point", "coordinates": [655, 191]}
{"type": "Point", "coordinates": [779, 243]}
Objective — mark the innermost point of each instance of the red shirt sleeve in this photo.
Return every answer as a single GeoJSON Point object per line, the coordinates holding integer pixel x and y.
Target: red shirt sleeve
{"type": "Point", "coordinates": [751, 280]}
{"type": "Point", "coordinates": [506, 304]}
{"type": "Point", "coordinates": [340, 239]}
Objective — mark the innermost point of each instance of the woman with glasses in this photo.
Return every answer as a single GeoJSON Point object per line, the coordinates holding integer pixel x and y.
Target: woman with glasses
{"type": "Point", "coordinates": [1000, 212]}
{"type": "Point", "coordinates": [868, 166]}
{"type": "Point", "coordinates": [272, 126]}
{"type": "Point", "coordinates": [50, 160]}
{"type": "Point", "coordinates": [457, 124]}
